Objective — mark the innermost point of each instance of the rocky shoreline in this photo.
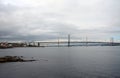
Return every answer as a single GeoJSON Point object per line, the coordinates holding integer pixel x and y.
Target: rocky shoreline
{"type": "Point", "coordinates": [14, 59]}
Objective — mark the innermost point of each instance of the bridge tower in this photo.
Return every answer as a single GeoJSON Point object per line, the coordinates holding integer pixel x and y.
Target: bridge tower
{"type": "Point", "coordinates": [38, 44]}
{"type": "Point", "coordinates": [111, 41]}
{"type": "Point", "coordinates": [58, 41]}
{"type": "Point", "coordinates": [68, 40]}
{"type": "Point", "coordinates": [86, 41]}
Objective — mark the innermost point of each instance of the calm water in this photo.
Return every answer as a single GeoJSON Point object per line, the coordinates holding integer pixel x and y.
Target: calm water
{"type": "Point", "coordinates": [63, 62]}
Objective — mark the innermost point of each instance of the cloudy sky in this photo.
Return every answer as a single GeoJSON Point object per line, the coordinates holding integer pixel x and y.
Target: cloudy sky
{"type": "Point", "coordinates": [48, 19]}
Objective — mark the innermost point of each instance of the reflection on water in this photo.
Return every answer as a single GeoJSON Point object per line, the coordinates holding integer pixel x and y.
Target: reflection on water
{"type": "Point", "coordinates": [63, 62]}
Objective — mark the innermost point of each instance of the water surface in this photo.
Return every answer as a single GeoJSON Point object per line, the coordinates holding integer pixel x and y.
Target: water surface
{"type": "Point", "coordinates": [63, 62]}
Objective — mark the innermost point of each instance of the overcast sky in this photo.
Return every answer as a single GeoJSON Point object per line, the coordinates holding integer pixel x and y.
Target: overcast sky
{"type": "Point", "coordinates": [48, 19]}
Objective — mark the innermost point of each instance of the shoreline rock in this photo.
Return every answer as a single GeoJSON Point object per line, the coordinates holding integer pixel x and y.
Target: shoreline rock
{"type": "Point", "coordinates": [14, 59]}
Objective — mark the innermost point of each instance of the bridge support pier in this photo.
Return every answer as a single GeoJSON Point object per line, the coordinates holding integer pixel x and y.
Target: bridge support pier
{"type": "Point", "coordinates": [68, 40]}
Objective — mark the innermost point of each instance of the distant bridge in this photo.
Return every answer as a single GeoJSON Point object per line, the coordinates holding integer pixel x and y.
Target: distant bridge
{"type": "Point", "coordinates": [63, 43]}
{"type": "Point", "coordinates": [80, 43]}
{"type": "Point", "coordinates": [73, 42]}
{"type": "Point", "coordinates": [68, 43]}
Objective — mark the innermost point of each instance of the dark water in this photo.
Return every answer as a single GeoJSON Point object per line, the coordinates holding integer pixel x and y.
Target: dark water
{"type": "Point", "coordinates": [63, 62]}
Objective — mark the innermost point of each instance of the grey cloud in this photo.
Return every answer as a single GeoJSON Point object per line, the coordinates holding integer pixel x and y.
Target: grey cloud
{"type": "Point", "coordinates": [37, 23]}
{"type": "Point", "coordinates": [7, 8]}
